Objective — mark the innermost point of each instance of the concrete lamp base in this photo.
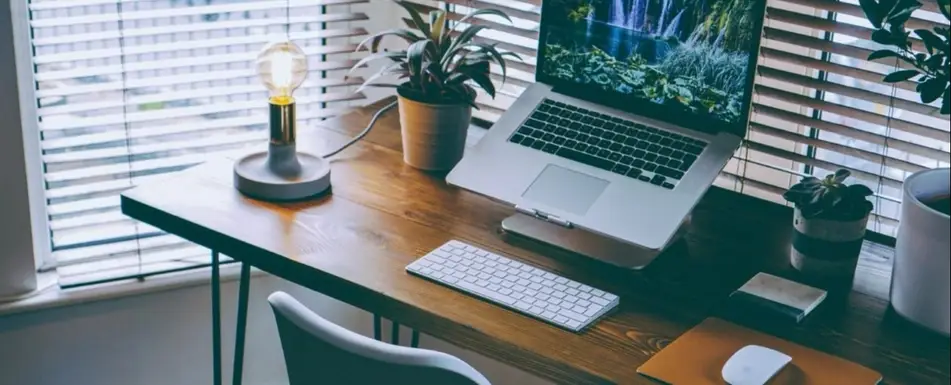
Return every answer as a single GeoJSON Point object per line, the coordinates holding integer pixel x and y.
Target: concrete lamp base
{"type": "Point", "coordinates": [281, 174]}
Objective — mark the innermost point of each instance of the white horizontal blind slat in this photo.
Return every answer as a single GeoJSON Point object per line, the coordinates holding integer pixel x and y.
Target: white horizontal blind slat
{"type": "Point", "coordinates": [128, 91]}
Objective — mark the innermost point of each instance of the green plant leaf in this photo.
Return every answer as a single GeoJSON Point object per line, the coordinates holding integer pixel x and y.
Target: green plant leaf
{"type": "Point", "coordinates": [860, 191]}
{"type": "Point", "coordinates": [900, 17]}
{"type": "Point", "coordinates": [461, 42]}
{"type": "Point", "coordinates": [437, 25]}
{"type": "Point", "coordinates": [883, 37]}
{"type": "Point", "coordinates": [484, 12]}
{"type": "Point", "coordinates": [841, 175]}
{"type": "Point", "coordinates": [882, 54]}
{"type": "Point", "coordinates": [930, 39]}
{"type": "Point", "coordinates": [945, 7]}
{"type": "Point", "coordinates": [946, 105]}
{"type": "Point", "coordinates": [873, 12]}
{"type": "Point", "coordinates": [377, 56]}
{"type": "Point", "coordinates": [416, 56]}
{"type": "Point", "coordinates": [374, 41]}
{"type": "Point", "coordinates": [414, 14]}
{"type": "Point", "coordinates": [900, 76]}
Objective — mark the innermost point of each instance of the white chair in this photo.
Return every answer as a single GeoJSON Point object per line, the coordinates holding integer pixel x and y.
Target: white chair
{"type": "Point", "coordinates": [318, 352]}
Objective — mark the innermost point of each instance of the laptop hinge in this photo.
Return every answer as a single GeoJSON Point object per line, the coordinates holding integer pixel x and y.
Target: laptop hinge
{"type": "Point", "coordinates": [543, 216]}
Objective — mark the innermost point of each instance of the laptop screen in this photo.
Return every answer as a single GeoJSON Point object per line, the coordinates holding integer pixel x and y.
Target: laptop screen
{"type": "Point", "coordinates": [689, 62]}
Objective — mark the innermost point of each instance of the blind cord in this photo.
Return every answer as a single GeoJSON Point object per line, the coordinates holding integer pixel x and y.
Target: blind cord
{"type": "Point", "coordinates": [366, 130]}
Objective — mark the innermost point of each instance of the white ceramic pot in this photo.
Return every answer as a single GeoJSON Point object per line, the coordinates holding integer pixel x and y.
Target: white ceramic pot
{"type": "Point", "coordinates": [434, 135]}
{"type": "Point", "coordinates": [921, 278]}
{"type": "Point", "coordinates": [827, 250]}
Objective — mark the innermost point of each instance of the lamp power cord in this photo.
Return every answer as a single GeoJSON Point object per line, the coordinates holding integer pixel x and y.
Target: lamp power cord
{"type": "Point", "coordinates": [366, 130]}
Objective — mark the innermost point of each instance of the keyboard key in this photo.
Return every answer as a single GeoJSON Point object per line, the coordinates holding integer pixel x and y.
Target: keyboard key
{"type": "Point", "coordinates": [592, 150]}
{"type": "Point", "coordinates": [666, 151]}
{"type": "Point", "coordinates": [575, 115]}
{"type": "Point", "coordinates": [678, 145]}
{"type": "Point", "coordinates": [650, 157]}
{"type": "Point", "coordinates": [639, 163]}
{"type": "Point", "coordinates": [581, 146]}
{"type": "Point", "coordinates": [550, 148]}
{"type": "Point", "coordinates": [528, 142]}
{"type": "Point", "coordinates": [608, 135]}
{"type": "Point", "coordinates": [604, 143]}
{"type": "Point", "coordinates": [650, 167]}
{"type": "Point", "coordinates": [610, 126]}
{"type": "Point", "coordinates": [525, 130]}
{"type": "Point", "coordinates": [540, 116]}
{"type": "Point", "coordinates": [587, 120]}
{"type": "Point", "coordinates": [666, 142]}
{"type": "Point", "coordinates": [643, 145]}
{"type": "Point", "coordinates": [640, 154]}
{"type": "Point", "coordinates": [620, 138]}
{"type": "Point", "coordinates": [534, 123]}
{"type": "Point", "coordinates": [592, 310]}
{"type": "Point", "coordinates": [570, 143]}
{"type": "Point", "coordinates": [593, 140]}
{"type": "Point", "coordinates": [569, 107]}
{"type": "Point", "coordinates": [621, 169]}
{"type": "Point", "coordinates": [692, 149]}
{"type": "Point", "coordinates": [654, 138]}
{"type": "Point", "coordinates": [662, 160]}
{"type": "Point", "coordinates": [668, 186]}
{"type": "Point", "coordinates": [634, 173]}
{"type": "Point", "coordinates": [585, 158]}
{"type": "Point", "coordinates": [538, 145]}
{"type": "Point", "coordinates": [614, 157]}
{"type": "Point", "coordinates": [670, 173]}
{"type": "Point", "coordinates": [598, 122]}
{"type": "Point", "coordinates": [597, 132]}
{"type": "Point", "coordinates": [643, 135]}
{"type": "Point", "coordinates": [574, 126]}
{"type": "Point", "coordinates": [688, 161]}
{"type": "Point", "coordinates": [674, 164]}
{"type": "Point", "coordinates": [653, 148]}
{"type": "Point", "coordinates": [631, 141]}
{"type": "Point", "coordinates": [559, 140]}
{"type": "Point", "coordinates": [658, 180]}
{"type": "Point", "coordinates": [517, 138]}
{"type": "Point", "coordinates": [616, 146]}
{"type": "Point", "coordinates": [538, 134]}
{"type": "Point", "coordinates": [627, 150]}
{"type": "Point", "coordinates": [586, 128]}
{"type": "Point", "coordinates": [603, 153]}
{"type": "Point", "coordinates": [545, 107]}
{"type": "Point", "coordinates": [678, 155]}
{"type": "Point", "coordinates": [627, 160]}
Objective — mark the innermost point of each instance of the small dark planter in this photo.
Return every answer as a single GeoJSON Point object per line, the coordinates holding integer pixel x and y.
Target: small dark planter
{"type": "Point", "coordinates": [827, 250]}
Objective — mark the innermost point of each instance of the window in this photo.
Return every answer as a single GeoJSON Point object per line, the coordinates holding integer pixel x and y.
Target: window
{"type": "Point", "coordinates": [128, 91]}
{"type": "Point", "coordinates": [819, 105]}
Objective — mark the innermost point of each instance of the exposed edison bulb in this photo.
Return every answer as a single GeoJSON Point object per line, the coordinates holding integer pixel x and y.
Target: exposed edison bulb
{"type": "Point", "coordinates": [282, 67]}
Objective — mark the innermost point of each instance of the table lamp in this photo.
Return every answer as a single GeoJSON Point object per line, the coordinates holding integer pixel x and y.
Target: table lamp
{"type": "Point", "coordinates": [281, 173]}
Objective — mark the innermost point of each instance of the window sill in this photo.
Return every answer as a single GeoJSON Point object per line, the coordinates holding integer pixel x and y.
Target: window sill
{"type": "Point", "coordinates": [55, 297]}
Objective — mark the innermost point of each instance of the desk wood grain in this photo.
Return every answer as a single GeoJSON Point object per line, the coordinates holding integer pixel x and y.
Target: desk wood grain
{"type": "Point", "coordinates": [354, 243]}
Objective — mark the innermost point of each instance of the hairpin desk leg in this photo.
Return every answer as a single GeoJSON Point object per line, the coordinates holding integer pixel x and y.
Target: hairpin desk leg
{"type": "Point", "coordinates": [414, 342]}
{"type": "Point", "coordinates": [215, 318]}
{"type": "Point", "coordinates": [244, 287]}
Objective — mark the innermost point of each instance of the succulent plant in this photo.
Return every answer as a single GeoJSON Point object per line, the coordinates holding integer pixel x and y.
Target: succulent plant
{"type": "Point", "coordinates": [440, 63]}
{"type": "Point", "coordinates": [830, 198]}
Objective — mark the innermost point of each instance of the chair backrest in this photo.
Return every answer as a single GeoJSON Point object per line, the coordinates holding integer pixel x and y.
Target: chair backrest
{"type": "Point", "coordinates": [319, 352]}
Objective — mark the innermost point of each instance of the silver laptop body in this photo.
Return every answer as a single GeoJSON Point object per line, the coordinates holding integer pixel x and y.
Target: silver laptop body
{"type": "Point", "coordinates": [593, 199]}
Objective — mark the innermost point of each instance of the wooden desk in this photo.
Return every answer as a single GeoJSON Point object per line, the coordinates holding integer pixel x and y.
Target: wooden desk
{"type": "Point", "coordinates": [353, 245]}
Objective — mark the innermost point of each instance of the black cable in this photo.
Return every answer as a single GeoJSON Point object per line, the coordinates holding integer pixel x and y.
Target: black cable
{"type": "Point", "coordinates": [366, 131]}
{"type": "Point", "coordinates": [395, 333]}
{"type": "Point", "coordinates": [377, 328]}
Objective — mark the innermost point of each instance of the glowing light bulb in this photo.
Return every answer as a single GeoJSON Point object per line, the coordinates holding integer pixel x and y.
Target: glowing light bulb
{"type": "Point", "coordinates": [282, 67]}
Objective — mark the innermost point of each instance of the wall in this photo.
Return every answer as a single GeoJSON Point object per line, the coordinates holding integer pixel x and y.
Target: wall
{"type": "Point", "coordinates": [165, 338]}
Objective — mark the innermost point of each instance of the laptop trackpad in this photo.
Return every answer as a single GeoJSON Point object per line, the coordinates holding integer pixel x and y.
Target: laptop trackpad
{"type": "Point", "coordinates": [565, 189]}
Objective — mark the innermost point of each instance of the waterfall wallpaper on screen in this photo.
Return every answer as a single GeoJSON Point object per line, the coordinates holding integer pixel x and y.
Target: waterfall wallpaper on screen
{"type": "Point", "coordinates": [692, 54]}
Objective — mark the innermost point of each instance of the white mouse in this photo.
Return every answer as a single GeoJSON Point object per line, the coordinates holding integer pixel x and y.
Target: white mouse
{"type": "Point", "coordinates": [754, 365]}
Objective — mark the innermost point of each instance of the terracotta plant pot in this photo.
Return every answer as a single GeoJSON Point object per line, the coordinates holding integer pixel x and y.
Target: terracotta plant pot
{"type": "Point", "coordinates": [827, 250]}
{"type": "Point", "coordinates": [434, 135]}
{"type": "Point", "coordinates": [921, 278]}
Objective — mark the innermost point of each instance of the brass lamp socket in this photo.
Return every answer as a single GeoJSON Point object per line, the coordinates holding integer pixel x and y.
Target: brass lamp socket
{"type": "Point", "coordinates": [283, 121]}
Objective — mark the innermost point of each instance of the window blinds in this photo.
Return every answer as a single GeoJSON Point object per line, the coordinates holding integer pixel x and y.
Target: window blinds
{"type": "Point", "coordinates": [129, 90]}
{"type": "Point", "coordinates": [819, 105]}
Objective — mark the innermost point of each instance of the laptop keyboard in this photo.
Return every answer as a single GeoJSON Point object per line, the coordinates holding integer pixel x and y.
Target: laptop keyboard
{"type": "Point", "coordinates": [647, 154]}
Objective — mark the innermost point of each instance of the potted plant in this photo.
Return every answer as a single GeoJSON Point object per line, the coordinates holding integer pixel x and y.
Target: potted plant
{"type": "Point", "coordinates": [921, 276]}
{"type": "Point", "coordinates": [438, 70]}
{"type": "Point", "coordinates": [929, 69]}
{"type": "Point", "coordinates": [830, 221]}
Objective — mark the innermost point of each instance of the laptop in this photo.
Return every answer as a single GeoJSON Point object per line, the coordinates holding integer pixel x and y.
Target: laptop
{"type": "Point", "coordinates": [636, 110]}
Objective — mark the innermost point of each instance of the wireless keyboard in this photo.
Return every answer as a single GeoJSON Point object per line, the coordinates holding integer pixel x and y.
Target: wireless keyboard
{"type": "Point", "coordinates": [515, 285]}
